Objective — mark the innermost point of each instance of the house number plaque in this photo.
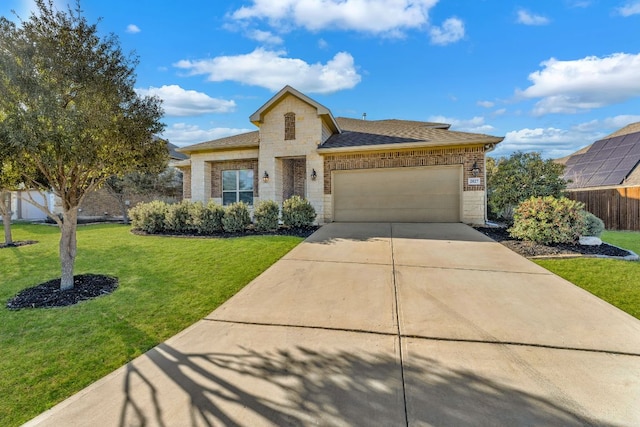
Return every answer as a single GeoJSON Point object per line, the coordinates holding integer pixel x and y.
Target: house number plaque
{"type": "Point", "coordinates": [474, 181]}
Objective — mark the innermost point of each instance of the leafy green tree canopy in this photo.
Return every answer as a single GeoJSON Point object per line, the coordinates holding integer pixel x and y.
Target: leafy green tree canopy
{"type": "Point", "coordinates": [71, 111]}
{"type": "Point", "coordinates": [513, 179]}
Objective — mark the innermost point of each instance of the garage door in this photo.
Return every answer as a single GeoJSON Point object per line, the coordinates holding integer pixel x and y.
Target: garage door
{"type": "Point", "coordinates": [426, 194]}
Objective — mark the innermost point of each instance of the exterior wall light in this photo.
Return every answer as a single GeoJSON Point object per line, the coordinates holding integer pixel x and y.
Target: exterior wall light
{"type": "Point", "coordinates": [314, 175]}
{"type": "Point", "coordinates": [475, 170]}
{"type": "Point", "coordinates": [265, 177]}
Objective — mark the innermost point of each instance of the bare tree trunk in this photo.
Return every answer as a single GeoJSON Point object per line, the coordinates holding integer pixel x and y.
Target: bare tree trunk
{"type": "Point", "coordinates": [68, 247]}
{"type": "Point", "coordinates": [5, 210]}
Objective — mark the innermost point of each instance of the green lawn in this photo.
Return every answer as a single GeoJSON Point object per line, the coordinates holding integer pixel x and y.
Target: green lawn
{"type": "Point", "coordinates": [166, 284]}
{"type": "Point", "coordinates": [615, 281]}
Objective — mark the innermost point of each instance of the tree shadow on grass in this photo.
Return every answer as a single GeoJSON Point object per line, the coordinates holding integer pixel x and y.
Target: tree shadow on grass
{"type": "Point", "coordinates": [301, 386]}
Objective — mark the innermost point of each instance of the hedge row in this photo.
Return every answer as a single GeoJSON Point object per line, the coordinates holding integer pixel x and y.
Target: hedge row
{"type": "Point", "coordinates": [205, 219]}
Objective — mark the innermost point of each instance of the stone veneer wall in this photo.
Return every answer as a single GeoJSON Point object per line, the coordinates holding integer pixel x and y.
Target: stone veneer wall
{"type": "Point", "coordinates": [218, 167]}
{"type": "Point", "coordinates": [465, 156]}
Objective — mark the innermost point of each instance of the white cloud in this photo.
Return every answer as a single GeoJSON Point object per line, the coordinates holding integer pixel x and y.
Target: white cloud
{"type": "Point", "coordinates": [322, 44]}
{"type": "Point", "coordinates": [583, 84]}
{"type": "Point", "coordinates": [499, 112]}
{"type": "Point", "coordinates": [631, 8]}
{"type": "Point", "coordinates": [527, 18]}
{"type": "Point", "coordinates": [475, 124]}
{"type": "Point", "coordinates": [554, 142]}
{"type": "Point", "coordinates": [391, 17]}
{"type": "Point", "coordinates": [182, 134]}
{"type": "Point", "coordinates": [608, 124]}
{"type": "Point", "coordinates": [486, 104]}
{"type": "Point", "coordinates": [272, 70]}
{"type": "Point", "coordinates": [265, 37]}
{"type": "Point", "coordinates": [179, 102]}
{"type": "Point", "coordinates": [451, 31]}
{"type": "Point", "coordinates": [133, 29]}
{"type": "Point", "coordinates": [550, 142]}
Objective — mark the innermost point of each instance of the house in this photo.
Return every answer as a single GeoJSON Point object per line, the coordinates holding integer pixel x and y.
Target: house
{"type": "Point", "coordinates": [348, 169]}
{"type": "Point", "coordinates": [106, 204]}
{"type": "Point", "coordinates": [606, 177]}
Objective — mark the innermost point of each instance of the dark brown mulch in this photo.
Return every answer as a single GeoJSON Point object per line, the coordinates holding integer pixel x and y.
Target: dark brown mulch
{"type": "Point", "coordinates": [18, 243]}
{"type": "Point", "coordinates": [532, 249]}
{"type": "Point", "coordinates": [49, 295]}
{"type": "Point", "coordinates": [282, 231]}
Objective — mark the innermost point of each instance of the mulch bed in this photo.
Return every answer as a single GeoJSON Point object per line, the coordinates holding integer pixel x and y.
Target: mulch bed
{"type": "Point", "coordinates": [18, 243]}
{"type": "Point", "coordinates": [49, 295]}
{"type": "Point", "coordinates": [532, 249]}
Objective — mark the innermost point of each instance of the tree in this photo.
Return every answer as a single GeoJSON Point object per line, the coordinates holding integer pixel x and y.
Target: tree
{"type": "Point", "coordinates": [9, 181]}
{"type": "Point", "coordinates": [521, 176]}
{"type": "Point", "coordinates": [72, 116]}
{"type": "Point", "coordinates": [167, 184]}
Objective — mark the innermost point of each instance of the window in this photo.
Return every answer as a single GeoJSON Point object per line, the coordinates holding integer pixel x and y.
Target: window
{"type": "Point", "coordinates": [290, 126]}
{"type": "Point", "coordinates": [237, 186]}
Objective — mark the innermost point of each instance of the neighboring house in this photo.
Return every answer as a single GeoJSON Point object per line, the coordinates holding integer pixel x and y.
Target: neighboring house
{"type": "Point", "coordinates": [23, 209]}
{"type": "Point", "coordinates": [606, 177]}
{"type": "Point", "coordinates": [101, 203]}
{"type": "Point", "coordinates": [349, 170]}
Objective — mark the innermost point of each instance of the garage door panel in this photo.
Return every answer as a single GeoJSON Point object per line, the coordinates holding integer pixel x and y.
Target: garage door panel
{"type": "Point", "coordinates": [429, 194]}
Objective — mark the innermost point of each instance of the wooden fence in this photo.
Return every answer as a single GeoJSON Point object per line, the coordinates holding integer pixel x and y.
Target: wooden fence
{"type": "Point", "coordinates": [619, 208]}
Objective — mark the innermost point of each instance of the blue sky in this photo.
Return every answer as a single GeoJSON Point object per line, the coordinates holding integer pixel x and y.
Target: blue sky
{"type": "Point", "coordinates": [550, 76]}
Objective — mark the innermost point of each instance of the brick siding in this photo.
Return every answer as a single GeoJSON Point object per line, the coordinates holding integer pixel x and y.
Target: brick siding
{"type": "Point", "coordinates": [218, 167]}
{"type": "Point", "coordinates": [465, 156]}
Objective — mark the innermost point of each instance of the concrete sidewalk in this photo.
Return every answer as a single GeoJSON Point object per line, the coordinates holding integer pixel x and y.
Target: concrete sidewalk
{"type": "Point", "coordinates": [391, 325]}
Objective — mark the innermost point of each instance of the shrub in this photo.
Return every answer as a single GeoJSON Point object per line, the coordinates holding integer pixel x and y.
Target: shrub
{"type": "Point", "coordinates": [178, 218]}
{"type": "Point", "coordinates": [211, 218]}
{"type": "Point", "coordinates": [593, 226]}
{"type": "Point", "coordinates": [548, 220]}
{"type": "Point", "coordinates": [266, 215]}
{"type": "Point", "coordinates": [515, 179]}
{"type": "Point", "coordinates": [236, 217]}
{"type": "Point", "coordinates": [149, 217]}
{"type": "Point", "coordinates": [297, 212]}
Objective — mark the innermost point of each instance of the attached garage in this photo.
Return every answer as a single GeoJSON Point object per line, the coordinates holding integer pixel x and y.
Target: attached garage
{"type": "Point", "coordinates": [410, 194]}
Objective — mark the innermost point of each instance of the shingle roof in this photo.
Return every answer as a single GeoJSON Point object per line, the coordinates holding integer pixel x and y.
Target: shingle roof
{"type": "Point", "coordinates": [368, 133]}
{"type": "Point", "coordinates": [364, 133]}
{"type": "Point", "coordinates": [630, 128]}
{"type": "Point", "coordinates": [243, 140]}
{"type": "Point", "coordinates": [607, 162]}
{"type": "Point", "coordinates": [173, 154]}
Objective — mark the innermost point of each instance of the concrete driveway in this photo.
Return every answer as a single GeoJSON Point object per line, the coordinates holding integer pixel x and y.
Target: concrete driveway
{"type": "Point", "coordinates": [390, 325]}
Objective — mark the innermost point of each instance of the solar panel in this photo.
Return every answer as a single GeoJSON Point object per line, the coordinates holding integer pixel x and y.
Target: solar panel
{"type": "Point", "coordinates": [573, 160]}
{"type": "Point", "coordinates": [596, 180]}
{"type": "Point", "coordinates": [607, 162]}
{"type": "Point", "coordinates": [597, 146]}
{"type": "Point", "coordinates": [616, 177]}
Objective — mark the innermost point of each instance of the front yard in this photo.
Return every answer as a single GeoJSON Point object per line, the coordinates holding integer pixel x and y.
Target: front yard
{"type": "Point", "coordinates": [165, 285]}
{"type": "Point", "coordinates": [615, 281]}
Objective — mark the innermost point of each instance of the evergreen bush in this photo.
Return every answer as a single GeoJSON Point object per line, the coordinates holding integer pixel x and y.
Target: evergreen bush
{"type": "Point", "coordinates": [149, 217]}
{"type": "Point", "coordinates": [297, 212]}
{"type": "Point", "coordinates": [211, 218]}
{"type": "Point", "coordinates": [593, 226]}
{"type": "Point", "coordinates": [548, 220]}
{"type": "Point", "coordinates": [266, 215]}
{"type": "Point", "coordinates": [236, 217]}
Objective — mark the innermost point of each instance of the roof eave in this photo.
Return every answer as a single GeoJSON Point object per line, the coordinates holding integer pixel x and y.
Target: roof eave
{"type": "Point", "coordinates": [488, 145]}
{"type": "Point", "coordinates": [208, 149]}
